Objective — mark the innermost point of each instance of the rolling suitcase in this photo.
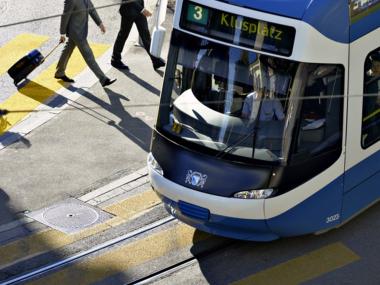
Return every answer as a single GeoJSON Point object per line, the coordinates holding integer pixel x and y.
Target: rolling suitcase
{"type": "Point", "coordinates": [24, 66]}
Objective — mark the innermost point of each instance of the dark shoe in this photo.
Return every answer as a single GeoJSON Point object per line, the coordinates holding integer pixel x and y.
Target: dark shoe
{"type": "Point", "coordinates": [157, 63]}
{"type": "Point", "coordinates": [119, 65]}
{"type": "Point", "coordinates": [64, 78]}
{"type": "Point", "coordinates": [108, 82]}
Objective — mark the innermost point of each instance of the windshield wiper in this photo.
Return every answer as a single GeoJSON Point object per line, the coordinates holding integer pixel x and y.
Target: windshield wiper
{"type": "Point", "coordinates": [230, 147]}
{"type": "Point", "coordinates": [253, 134]}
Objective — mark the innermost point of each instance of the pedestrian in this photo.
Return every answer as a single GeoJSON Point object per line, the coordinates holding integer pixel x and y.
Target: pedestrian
{"type": "Point", "coordinates": [74, 25]}
{"type": "Point", "coordinates": [133, 11]}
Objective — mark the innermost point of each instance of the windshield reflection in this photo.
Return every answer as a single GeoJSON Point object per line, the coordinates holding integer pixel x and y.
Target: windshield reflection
{"type": "Point", "coordinates": [235, 101]}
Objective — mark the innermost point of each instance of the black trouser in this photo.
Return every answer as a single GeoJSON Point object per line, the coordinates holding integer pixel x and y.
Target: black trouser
{"type": "Point", "coordinates": [125, 28]}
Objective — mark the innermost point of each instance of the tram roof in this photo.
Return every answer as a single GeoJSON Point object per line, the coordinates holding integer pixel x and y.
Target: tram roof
{"type": "Point", "coordinates": [329, 17]}
{"type": "Point", "coordinates": [290, 8]}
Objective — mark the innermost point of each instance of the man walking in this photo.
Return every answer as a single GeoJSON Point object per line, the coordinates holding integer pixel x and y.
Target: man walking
{"type": "Point", "coordinates": [133, 11]}
{"type": "Point", "coordinates": [74, 24]}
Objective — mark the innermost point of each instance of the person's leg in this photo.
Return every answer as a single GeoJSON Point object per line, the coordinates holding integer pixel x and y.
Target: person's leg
{"type": "Point", "coordinates": [89, 57]}
{"type": "Point", "coordinates": [142, 27]}
{"type": "Point", "coordinates": [64, 59]}
{"type": "Point", "coordinates": [125, 28]}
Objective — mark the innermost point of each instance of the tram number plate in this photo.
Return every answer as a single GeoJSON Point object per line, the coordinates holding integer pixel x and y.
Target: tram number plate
{"type": "Point", "coordinates": [332, 218]}
{"type": "Point", "coordinates": [197, 14]}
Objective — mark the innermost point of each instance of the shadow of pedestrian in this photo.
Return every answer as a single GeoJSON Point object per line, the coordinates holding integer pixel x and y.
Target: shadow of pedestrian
{"type": "Point", "coordinates": [142, 82]}
{"type": "Point", "coordinates": [160, 72]}
{"type": "Point", "coordinates": [34, 91]}
{"type": "Point", "coordinates": [132, 127]}
{"type": "Point", "coordinates": [7, 138]}
{"type": "Point", "coordinates": [41, 94]}
{"type": "Point", "coordinates": [6, 215]}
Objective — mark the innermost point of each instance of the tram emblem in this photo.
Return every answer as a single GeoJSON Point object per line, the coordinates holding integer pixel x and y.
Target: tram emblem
{"type": "Point", "coordinates": [196, 178]}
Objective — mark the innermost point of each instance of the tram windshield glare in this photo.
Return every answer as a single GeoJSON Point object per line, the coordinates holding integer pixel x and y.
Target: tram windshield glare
{"type": "Point", "coordinates": [237, 102]}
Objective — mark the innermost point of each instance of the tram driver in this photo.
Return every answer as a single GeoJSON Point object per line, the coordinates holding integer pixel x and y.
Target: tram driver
{"type": "Point", "coordinates": [270, 109]}
{"type": "Point", "coordinates": [263, 99]}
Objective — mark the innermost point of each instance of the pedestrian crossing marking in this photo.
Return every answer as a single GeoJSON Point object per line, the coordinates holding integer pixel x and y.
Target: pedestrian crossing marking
{"type": "Point", "coordinates": [18, 47]}
{"type": "Point", "coordinates": [304, 268]}
{"type": "Point", "coordinates": [121, 259]}
{"type": "Point", "coordinates": [42, 87]}
{"type": "Point", "coordinates": [51, 239]}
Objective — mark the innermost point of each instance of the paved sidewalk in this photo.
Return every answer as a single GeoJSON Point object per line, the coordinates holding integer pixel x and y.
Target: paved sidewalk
{"type": "Point", "coordinates": [102, 137]}
{"type": "Point", "coordinates": [113, 192]}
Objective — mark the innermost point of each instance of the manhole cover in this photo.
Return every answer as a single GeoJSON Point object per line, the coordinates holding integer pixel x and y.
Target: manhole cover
{"type": "Point", "coordinates": [70, 216]}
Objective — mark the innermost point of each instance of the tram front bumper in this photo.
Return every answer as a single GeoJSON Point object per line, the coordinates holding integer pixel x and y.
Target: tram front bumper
{"type": "Point", "coordinates": [229, 217]}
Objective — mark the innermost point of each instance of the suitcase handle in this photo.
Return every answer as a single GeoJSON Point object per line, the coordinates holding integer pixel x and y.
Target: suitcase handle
{"type": "Point", "coordinates": [52, 51]}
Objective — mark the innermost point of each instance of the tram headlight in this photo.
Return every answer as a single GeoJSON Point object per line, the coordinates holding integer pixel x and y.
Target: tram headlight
{"type": "Point", "coordinates": [254, 194]}
{"type": "Point", "coordinates": [152, 162]}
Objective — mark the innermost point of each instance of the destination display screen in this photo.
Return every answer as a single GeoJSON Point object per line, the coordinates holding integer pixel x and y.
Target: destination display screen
{"type": "Point", "coordinates": [252, 33]}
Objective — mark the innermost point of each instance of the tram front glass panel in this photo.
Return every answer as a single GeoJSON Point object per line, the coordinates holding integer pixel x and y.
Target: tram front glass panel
{"type": "Point", "coordinates": [227, 100]}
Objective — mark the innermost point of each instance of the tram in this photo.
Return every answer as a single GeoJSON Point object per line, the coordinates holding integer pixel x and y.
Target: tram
{"type": "Point", "coordinates": [269, 117]}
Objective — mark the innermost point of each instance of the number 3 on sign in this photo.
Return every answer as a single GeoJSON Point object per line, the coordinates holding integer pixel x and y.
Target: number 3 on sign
{"type": "Point", "coordinates": [198, 13]}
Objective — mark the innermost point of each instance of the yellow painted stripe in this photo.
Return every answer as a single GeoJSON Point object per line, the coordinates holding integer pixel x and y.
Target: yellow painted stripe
{"type": "Point", "coordinates": [134, 205]}
{"type": "Point", "coordinates": [18, 47]}
{"type": "Point", "coordinates": [125, 257]}
{"type": "Point", "coordinates": [52, 239]}
{"type": "Point", "coordinates": [42, 87]}
{"type": "Point", "coordinates": [304, 268]}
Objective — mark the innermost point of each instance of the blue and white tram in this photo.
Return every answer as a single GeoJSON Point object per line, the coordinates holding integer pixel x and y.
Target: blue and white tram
{"type": "Point", "coordinates": [269, 120]}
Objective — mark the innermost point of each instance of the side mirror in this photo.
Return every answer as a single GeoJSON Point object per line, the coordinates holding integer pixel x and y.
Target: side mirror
{"type": "Point", "coordinates": [157, 42]}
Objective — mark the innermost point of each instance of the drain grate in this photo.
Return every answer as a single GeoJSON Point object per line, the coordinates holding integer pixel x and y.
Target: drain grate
{"type": "Point", "coordinates": [70, 216]}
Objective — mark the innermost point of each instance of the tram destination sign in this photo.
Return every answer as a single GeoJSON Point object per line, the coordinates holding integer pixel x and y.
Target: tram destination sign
{"type": "Point", "coordinates": [236, 29]}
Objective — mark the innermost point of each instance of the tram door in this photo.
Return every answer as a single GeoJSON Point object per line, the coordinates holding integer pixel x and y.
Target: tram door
{"type": "Point", "coordinates": [362, 166]}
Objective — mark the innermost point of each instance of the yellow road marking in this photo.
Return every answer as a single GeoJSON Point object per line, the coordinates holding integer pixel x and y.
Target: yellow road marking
{"type": "Point", "coordinates": [124, 257]}
{"type": "Point", "coordinates": [52, 239]}
{"type": "Point", "coordinates": [42, 87]}
{"type": "Point", "coordinates": [304, 268]}
{"type": "Point", "coordinates": [133, 205]}
{"type": "Point", "coordinates": [18, 47]}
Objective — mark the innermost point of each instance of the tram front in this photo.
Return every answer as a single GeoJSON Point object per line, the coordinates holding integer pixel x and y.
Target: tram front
{"type": "Point", "coordinates": [248, 140]}
{"type": "Point", "coordinates": [238, 127]}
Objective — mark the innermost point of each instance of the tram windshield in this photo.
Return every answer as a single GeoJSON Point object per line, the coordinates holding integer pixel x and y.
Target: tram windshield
{"type": "Point", "coordinates": [241, 103]}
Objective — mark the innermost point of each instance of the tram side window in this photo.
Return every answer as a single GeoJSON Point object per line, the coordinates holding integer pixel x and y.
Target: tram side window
{"type": "Point", "coordinates": [371, 100]}
{"type": "Point", "coordinates": [321, 112]}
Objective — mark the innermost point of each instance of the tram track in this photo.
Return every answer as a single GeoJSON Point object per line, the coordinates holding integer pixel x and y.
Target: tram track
{"type": "Point", "coordinates": [182, 264]}
{"type": "Point", "coordinates": [204, 246]}
{"type": "Point", "coordinates": [81, 255]}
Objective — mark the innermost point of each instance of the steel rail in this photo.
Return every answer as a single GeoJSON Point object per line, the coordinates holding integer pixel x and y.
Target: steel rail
{"type": "Point", "coordinates": [56, 265]}
{"type": "Point", "coordinates": [155, 276]}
